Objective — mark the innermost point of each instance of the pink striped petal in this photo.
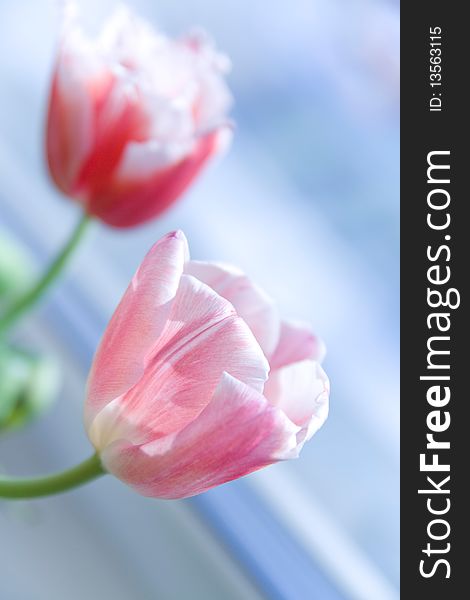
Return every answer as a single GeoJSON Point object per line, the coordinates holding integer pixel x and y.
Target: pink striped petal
{"type": "Point", "coordinates": [296, 342]}
{"type": "Point", "coordinates": [236, 434]}
{"type": "Point", "coordinates": [137, 323]}
{"type": "Point", "coordinates": [251, 302]}
{"type": "Point", "coordinates": [301, 390]}
{"type": "Point", "coordinates": [203, 338]}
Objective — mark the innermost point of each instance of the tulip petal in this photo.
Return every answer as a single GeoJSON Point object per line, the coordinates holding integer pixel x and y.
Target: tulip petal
{"type": "Point", "coordinates": [69, 128]}
{"type": "Point", "coordinates": [237, 433]}
{"type": "Point", "coordinates": [253, 305]}
{"type": "Point", "coordinates": [203, 338]}
{"type": "Point", "coordinates": [301, 390]}
{"type": "Point", "coordinates": [296, 342]}
{"type": "Point", "coordinates": [131, 200]}
{"type": "Point", "coordinates": [118, 120]}
{"type": "Point", "coordinates": [137, 323]}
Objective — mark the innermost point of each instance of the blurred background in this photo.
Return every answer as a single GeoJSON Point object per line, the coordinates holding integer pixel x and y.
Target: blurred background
{"type": "Point", "coordinates": [306, 202]}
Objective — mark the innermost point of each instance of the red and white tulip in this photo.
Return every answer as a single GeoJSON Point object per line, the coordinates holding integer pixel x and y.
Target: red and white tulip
{"type": "Point", "coordinates": [133, 117]}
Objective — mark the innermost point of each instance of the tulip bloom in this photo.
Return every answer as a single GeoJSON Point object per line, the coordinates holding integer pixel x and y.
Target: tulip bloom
{"type": "Point", "coordinates": [196, 381]}
{"type": "Point", "coordinates": [133, 117]}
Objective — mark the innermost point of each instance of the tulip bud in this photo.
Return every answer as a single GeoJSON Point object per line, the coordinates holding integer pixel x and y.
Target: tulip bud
{"type": "Point", "coordinates": [16, 272]}
{"type": "Point", "coordinates": [133, 117]}
{"type": "Point", "coordinates": [28, 387]}
{"type": "Point", "coordinates": [197, 381]}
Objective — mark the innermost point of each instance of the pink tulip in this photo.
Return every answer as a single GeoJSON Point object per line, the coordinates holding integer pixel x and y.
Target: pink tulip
{"type": "Point", "coordinates": [179, 399]}
{"type": "Point", "coordinates": [133, 117]}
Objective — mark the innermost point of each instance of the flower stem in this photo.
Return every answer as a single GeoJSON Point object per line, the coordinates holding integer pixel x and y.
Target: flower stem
{"type": "Point", "coordinates": [17, 488]}
{"type": "Point", "coordinates": [29, 299]}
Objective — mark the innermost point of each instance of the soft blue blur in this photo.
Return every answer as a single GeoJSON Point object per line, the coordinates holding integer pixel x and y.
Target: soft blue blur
{"type": "Point", "coordinates": [306, 202]}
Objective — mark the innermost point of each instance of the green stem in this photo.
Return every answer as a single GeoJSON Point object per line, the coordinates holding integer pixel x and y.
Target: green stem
{"type": "Point", "coordinates": [25, 302]}
{"type": "Point", "coordinates": [17, 489]}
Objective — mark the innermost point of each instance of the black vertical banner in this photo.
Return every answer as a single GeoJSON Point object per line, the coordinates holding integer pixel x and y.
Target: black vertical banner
{"type": "Point", "coordinates": [435, 340]}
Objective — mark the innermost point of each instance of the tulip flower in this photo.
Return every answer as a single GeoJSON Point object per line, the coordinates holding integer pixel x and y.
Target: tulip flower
{"type": "Point", "coordinates": [175, 401]}
{"type": "Point", "coordinates": [133, 117]}
{"type": "Point", "coordinates": [196, 382]}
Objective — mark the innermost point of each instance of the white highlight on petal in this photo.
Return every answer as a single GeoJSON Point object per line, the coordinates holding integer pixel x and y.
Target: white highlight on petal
{"type": "Point", "coordinates": [180, 82]}
{"type": "Point", "coordinates": [143, 159]}
{"type": "Point", "coordinates": [301, 390]}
